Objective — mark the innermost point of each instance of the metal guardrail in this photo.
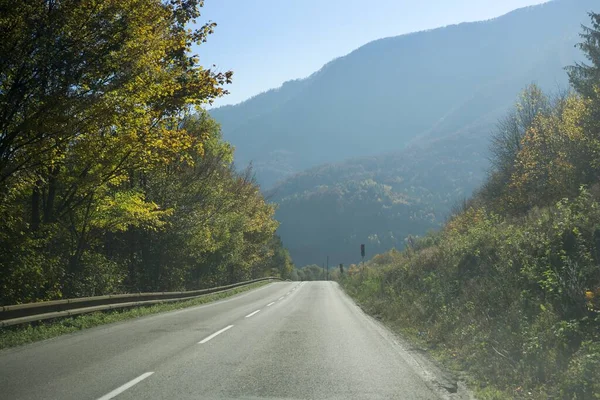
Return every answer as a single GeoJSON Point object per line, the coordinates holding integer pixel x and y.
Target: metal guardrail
{"type": "Point", "coordinates": [31, 312]}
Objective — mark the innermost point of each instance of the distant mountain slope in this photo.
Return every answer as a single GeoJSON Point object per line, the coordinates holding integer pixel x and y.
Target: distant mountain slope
{"type": "Point", "coordinates": [399, 90]}
{"type": "Point", "coordinates": [379, 200]}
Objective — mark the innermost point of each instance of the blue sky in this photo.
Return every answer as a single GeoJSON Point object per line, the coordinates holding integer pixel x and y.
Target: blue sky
{"type": "Point", "coordinates": [267, 42]}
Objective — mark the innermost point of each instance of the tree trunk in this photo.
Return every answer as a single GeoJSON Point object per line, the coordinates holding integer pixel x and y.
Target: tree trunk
{"type": "Point", "coordinates": [49, 206]}
{"type": "Point", "coordinates": [35, 207]}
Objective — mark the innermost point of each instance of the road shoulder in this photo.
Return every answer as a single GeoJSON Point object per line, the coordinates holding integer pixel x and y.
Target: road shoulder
{"type": "Point", "coordinates": [435, 375]}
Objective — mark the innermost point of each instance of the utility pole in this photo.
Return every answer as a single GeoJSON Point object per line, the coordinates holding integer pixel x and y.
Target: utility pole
{"type": "Point", "coordinates": [327, 267]}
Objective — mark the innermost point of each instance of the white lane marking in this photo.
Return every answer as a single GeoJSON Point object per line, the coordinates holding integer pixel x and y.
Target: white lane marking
{"type": "Point", "coordinates": [126, 386]}
{"type": "Point", "coordinates": [251, 314]}
{"type": "Point", "coordinates": [288, 293]}
{"type": "Point", "coordinates": [270, 304]}
{"type": "Point", "coordinates": [281, 298]}
{"type": "Point", "coordinates": [215, 334]}
{"type": "Point", "coordinates": [216, 303]}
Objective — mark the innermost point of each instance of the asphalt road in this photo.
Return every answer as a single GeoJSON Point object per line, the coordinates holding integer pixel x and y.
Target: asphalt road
{"type": "Point", "coordinates": [287, 340]}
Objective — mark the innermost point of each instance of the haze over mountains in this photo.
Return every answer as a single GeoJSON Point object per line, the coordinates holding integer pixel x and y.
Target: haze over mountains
{"type": "Point", "coordinates": [408, 117]}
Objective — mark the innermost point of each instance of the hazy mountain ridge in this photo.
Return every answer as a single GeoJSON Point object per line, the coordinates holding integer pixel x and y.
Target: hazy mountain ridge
{"type": "Point", "coordinates": [395, 90]}
{"type": "Point", "coordinates": [257, 106]}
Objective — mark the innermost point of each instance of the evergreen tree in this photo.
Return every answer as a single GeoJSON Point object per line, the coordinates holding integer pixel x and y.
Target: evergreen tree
{"type": "Point", "coordinates": [585, 77]}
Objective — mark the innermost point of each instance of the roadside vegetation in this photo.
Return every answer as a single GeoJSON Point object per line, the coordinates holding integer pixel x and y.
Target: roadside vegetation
{"type": "Point", "coordinates": [113, 178]}
{"type": "Point", "coordinates": [311, 272]}
{"type": "Point", "coordinates": [509, 289]}
{"type": "Point", "coordinates": [28, 333]}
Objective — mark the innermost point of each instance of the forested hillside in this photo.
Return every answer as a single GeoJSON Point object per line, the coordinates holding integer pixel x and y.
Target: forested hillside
{"type": "Point", "coordinates": [379, 201]}
{"type": "Point", "coordinates": [401, 90]}
{"type": "Point", "coordinates": [112, 177]}
{"type": "Point", "coordinates": [509, 289]}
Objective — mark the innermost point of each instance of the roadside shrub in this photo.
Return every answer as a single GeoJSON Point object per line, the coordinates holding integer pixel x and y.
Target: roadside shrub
{"type": "Point", "coordinates": [510, 300]}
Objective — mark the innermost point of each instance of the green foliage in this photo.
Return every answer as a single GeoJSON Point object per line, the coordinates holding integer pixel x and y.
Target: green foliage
{"type": "Point", "coordinates": [112, 177]}
{"type": "Point", "coordinates": [311, 273]}
{"type": "Point", "coordinates": [502, 299]}
{"type": "Point", "coordinates": [581, 380]}
{"type": "Point", "coordinates": [509, 290]}
{"type": "Point", "coordinates": [507, 138]}
{"type": "Point", "coordinates": [281, 262]}
{"type": "Point", "coordinates": [583, 76]}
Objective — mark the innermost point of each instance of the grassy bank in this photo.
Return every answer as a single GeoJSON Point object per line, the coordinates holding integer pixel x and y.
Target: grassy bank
{"type": "Point", "coordinates": [513, 302]}
{"type": "Point", "coordinates": [22, 334]}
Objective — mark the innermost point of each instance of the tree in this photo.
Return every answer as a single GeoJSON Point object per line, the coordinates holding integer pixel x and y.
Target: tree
{"type": "Point", "coordinates": [112, 177]}
{"type": "Point", "coordinates": [72, 69]}
{"type": "Point", "coordinates": [585, 78]}
{"type": "Point", "coordinates": [507, 140]}
{"type": "Point", "coordinates": [311, 273]}
{"type": "Point", "coordinates": [554, 159]}
{"type": "Point", "coordinates": [281, 263]}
